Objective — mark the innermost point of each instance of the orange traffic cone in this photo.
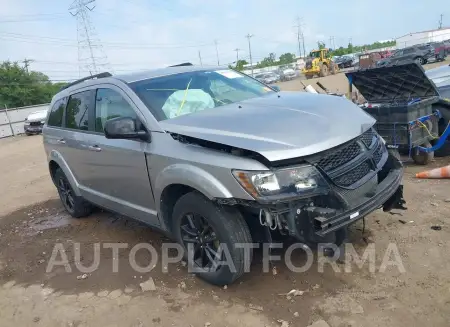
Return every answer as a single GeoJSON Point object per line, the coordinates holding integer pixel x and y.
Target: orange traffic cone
{"type": "Point", "coordinates": [443, 172]}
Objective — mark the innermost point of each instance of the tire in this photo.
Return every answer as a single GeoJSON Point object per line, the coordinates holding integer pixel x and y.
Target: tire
{"type": "Point", "coordinates": [28, 134]}
{"type": "Point", "coordinates": [444, 150]}
{"type": "Point", "coordinates": [323, 71]}
{"type": "Point", "coordinates": [309, 76]}
{"type": "Point", "coordinates": [419, 60]}
{"type": "Point", "coordinates": [75, 205]}
{"type": "Point", "coordinates": [228, 227]}
{"type": "Point", "coordinates": [422, 158]}
{"type": "Point", "coordinates": [333, 69]}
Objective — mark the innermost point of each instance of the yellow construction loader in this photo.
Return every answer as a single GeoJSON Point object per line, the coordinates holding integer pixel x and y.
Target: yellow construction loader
{"type": "Point", "coordinates": [319, 63]}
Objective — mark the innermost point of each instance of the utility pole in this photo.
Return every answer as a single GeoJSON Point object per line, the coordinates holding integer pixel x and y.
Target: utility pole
{"type": "Point", "coordinates": [217, 53]}
{"type": "Point", "coordinates": [249, 36]}
{"type": "Point", "coordinates": [440, 21]}
{"type": "Point", "coordinates": [200, 58]}
{"type": "Point", "coordinates": [350, 41]}
{"type": "Point", "coordinates": [300, 37]}
{"type": "Point", "coordinates": [237, 54]}
{"type": "Point", "coordinates": [91, 57]}
{"type": "Point", "coordinates": [26, 63]}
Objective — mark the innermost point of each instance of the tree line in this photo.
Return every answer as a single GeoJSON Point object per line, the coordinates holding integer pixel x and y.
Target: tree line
{"type": "Point", "coordinates": [358, 48]}
{"type": "Point", "coordinates": [289, 58]}
{"type": "Point", "coordinates": [20, 87]}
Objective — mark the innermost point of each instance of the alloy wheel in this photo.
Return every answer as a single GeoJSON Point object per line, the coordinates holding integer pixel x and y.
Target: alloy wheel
{"type": "Point", "coordinates": [66, 193]}
{"type": "Point", "coordinates": [201, 241]}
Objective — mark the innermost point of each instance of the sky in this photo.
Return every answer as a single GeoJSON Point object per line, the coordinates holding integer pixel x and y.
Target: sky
{"type": "Point", "coordinates": [144, 34]}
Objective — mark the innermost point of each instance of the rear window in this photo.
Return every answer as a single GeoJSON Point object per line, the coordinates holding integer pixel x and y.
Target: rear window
{"type": "Point", "coordinates": [78, 110]}
{"type": "Point", "coordinates": [55, 117]}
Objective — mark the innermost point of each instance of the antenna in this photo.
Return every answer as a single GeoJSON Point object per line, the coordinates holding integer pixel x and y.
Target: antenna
{"type": "Point", "coordinates": [91, 57]}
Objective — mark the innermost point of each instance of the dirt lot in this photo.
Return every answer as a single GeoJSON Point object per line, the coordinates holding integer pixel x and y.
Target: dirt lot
{"type": "Point", "coordinates": [33, 221]}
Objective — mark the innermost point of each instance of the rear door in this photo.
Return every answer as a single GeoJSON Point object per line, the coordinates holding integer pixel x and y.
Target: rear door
{"type": "Point", "coordinates": [117, 176]}
{"type": "Point", "coordinates": [73, 139]}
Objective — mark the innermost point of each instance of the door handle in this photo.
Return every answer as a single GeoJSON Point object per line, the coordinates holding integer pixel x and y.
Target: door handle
{"type": "Point", "coordinates": [61, 141]}
{"type": "Point", "coordinates": [94, 148]}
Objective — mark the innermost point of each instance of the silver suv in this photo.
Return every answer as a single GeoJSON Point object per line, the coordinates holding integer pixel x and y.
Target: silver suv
{"type": "Point", "coordinates": [213, 157]}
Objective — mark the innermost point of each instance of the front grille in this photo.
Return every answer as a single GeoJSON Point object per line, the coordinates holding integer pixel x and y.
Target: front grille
{"type": "Point", "coordinates": [308, 64]}
{"type": "Point", "coordinates": [368, 137]}
{"type": "Point", "coordinates": [378, 154]}
{"type": "Point", "coordinates": [35, 123]}
{"type": "Point", "coordinates": [340, 157]}
{"type": "Point", "coordinates": [354, 175]}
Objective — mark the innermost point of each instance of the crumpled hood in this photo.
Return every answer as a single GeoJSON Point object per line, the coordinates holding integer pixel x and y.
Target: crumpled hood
{"type": "Point", "coordinates": [278, 126]}
{"type": "Point", "coordinates": [37, 116]}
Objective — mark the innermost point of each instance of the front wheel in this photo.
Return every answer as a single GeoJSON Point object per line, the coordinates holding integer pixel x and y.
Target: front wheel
{"type": "Point", "coordinates": [210, 234]}
{"type": "Point", "coordinates": [75, 205]}
{"type": "Point", "coordinates": [323, 71]}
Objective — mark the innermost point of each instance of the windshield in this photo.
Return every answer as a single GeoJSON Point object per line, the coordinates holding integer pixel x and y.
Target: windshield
{"type": "Point", "coordinates": [315, 54]}
{"type": "Point", "coordinates": [185, 93]}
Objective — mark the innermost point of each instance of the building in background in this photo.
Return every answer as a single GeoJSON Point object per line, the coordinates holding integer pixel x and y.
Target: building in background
{"type": "Point", "coordinates": [410, 39]}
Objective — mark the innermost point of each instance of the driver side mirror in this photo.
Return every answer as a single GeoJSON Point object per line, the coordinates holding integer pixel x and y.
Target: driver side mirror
{"type": "Point", "coordinates": [276, 88]}
{"type": "Point", "coordinates": [124, 128]}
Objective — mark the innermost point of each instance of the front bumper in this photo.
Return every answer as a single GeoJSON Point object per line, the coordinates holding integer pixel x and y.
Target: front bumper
{"type": "Point", "coordinates": [33, 128]}
{"type": "Point", "coordinates": [388, 194]}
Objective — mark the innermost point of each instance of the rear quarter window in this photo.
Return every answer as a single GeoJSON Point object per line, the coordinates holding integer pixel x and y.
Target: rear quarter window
{"type": "Point", "coordinates": [55, 117]}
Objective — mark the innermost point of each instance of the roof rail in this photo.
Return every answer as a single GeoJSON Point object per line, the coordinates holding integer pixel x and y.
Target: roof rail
{"type": "Point", "coordinates": [183, 64]}
{"type": "Point", "coordinates": [101, 75]}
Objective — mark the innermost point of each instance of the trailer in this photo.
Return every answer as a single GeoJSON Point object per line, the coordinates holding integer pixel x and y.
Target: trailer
{"type": "Point", "coordinates": [407, 106]}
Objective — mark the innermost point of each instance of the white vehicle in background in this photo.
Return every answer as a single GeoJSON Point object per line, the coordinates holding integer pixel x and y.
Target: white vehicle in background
{"type": "Point", "coordinates": [34, 122]}
{"type": "Point", "coordinates": [287, 74]}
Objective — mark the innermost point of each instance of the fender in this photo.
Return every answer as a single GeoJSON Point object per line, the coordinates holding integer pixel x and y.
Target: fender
{"type": "Point", "coordinates": [57, 157]}
{"type": "Point", "coordinates": [192, 176]}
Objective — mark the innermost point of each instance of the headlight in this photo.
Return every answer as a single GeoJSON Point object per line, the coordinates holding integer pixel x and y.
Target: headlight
{"type": "Point", "coordinates": [288, 182]}
{"type": "Point", "coordinates": [42, 122]}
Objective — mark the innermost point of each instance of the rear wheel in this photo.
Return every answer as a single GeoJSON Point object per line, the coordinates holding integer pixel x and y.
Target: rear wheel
{"type": "Point", "coordinates": [209, 234]}
{"type": "Point", "coordinates": [419, 60]}
{"type": "Point", "coordinates": [75, 205]}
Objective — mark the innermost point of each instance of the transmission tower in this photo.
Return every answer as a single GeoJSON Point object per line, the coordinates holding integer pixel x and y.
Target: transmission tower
{"type": "Point", "coordinates": [91, 56]}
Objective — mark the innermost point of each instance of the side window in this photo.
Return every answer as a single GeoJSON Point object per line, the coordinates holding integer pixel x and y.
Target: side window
{"type": "Point", "coordinates": [55, 117]}
{"type": "Point", "coordinates": [110, 104]}
{"type": "Point", "coordinates": [408, 51]}
{"type": "Point", "coordinates": [77, 111]}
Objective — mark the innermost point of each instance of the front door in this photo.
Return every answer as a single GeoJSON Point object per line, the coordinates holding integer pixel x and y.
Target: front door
{"type": "Point", "coordinates": [118, 176]}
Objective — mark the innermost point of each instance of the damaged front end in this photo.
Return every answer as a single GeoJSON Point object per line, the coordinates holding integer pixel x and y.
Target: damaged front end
{"type": "Point", "coordinates": [316, 198]}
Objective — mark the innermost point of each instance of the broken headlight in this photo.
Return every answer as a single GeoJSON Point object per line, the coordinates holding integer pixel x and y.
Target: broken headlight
{"type": "Point", "coordinates": [282, 183]}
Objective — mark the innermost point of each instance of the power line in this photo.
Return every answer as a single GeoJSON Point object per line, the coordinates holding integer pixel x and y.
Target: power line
{"type": "Point", "coordinates": [91, 57]}
{"type": "Point", "coordinates": [249, 36]}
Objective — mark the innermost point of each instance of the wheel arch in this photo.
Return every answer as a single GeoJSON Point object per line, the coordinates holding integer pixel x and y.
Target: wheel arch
{"type": "Point", "coordinates": [55, 161]}
{"type": "Point", "coordinates": [179, 179]}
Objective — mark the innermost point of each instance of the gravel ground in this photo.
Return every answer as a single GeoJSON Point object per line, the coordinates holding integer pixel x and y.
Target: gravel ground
{"type": "Point", "coordinates": [32, 221]}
